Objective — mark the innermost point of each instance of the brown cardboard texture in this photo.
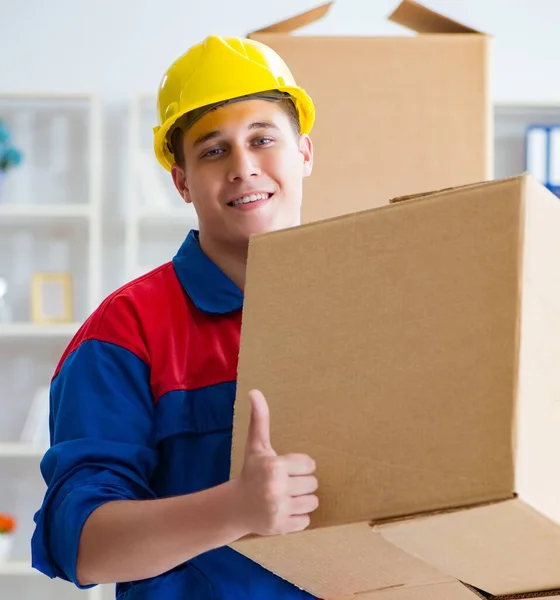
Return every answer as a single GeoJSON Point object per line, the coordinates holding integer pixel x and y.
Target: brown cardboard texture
{"type": "Point", "coordinates": [448, 590]}
{"type": "Point", "coordinates": [395, 115]}
{"type": "Point", "coordinates": [413, 350]}
{"type": "Point", "coordinates": [549, 595]}
{"type": "Point", "coordinates": [336, 563]}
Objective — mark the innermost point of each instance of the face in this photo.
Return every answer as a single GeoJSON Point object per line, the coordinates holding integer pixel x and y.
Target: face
{"type": "Point", "coordinates": [244, 170]}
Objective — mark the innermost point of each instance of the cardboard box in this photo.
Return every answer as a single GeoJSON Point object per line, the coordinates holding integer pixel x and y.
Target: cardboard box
{"type": "Point", "coordinates": [363, 562]}
{"type": "Point", "coordinates": [413, 351]}
{"type": "Point", "coordinates": [395, 115]}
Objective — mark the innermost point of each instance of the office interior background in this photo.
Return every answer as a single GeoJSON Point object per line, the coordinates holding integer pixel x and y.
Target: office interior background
{"type": "Point", "coordinates": [85, 208]}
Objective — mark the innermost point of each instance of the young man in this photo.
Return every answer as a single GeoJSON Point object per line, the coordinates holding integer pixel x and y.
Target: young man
{"type": "Point", "coordinates": [142, 399]}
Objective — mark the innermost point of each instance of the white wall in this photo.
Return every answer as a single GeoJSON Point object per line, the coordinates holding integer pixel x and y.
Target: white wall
{"type": "Point", "coordinates": [120, 47]}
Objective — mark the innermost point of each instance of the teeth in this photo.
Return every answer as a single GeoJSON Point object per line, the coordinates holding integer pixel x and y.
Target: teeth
{"type": "Point", "coordinates": [250, 198]}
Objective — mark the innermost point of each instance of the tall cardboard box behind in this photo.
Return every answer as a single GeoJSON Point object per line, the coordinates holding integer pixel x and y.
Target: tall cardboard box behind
{"type": "Point", "coordinates": [395, 115]}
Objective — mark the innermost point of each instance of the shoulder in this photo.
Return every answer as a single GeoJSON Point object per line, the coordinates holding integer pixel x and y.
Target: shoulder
{"type": "Point", "coordinates": [131, 315]}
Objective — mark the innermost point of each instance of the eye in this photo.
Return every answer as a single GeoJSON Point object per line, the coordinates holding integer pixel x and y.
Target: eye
{"type": "Point", "coordinates": [213, 152]}
{"type": "Point", "coordinates": [263, 141]}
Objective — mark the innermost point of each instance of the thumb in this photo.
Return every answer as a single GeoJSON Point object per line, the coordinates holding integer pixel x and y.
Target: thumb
{"type": "Point", "coordinates": [258, 439]}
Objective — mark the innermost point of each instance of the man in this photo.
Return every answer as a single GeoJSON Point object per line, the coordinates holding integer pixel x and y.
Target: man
{"type": "Point", "coordinates": [142, 399]}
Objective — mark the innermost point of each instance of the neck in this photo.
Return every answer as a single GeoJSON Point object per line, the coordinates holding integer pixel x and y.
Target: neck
{"type": "Point", "coordinates": [231, 259]}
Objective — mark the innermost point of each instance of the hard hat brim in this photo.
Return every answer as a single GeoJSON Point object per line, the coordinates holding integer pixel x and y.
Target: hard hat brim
{"type": "Point", "coordinates": [303, 103]}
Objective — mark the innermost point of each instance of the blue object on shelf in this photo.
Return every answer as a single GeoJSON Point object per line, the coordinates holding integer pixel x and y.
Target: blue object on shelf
{"type": "Point", "coordinates": [9, 156]}
{"type": "Point", "coordinates": [542, 155]}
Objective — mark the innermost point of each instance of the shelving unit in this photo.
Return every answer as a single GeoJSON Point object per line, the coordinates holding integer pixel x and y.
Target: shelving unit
{"type": "Point", "coordinates": [27, 583]}
{"type": "Point", "coordinates": [21, 450]}
{"type": "Point", "coordinates": [47, 212]}
{"type": "Point", "coordinates": [16, 568]}
{"type": "Point", "coordinates": [55, 195]}
{"type": "Point", "coordinates": [35, 331]}
{"type": "Point", "coordinates": [50, 221]}
{"type": "Point", "coordinates": [511, 120]}
{"type": "Point", "coordinates": [156, 218]}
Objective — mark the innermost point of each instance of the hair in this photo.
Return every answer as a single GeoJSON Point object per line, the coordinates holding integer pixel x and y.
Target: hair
{"type": "Point", "coordinates": [176, 140]}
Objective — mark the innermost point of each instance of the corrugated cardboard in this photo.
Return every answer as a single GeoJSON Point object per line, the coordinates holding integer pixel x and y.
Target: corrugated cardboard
{"type": "Point", "coordinates": [437, 591]}
{"type": "Point", "coordinates": [449, 590]}
{"type": "Point", "coordinates": [413, 350]}
{"type": "Point", "coordinates": [395, 115]}
{"type": "Point", "coordinates": [364, 562]}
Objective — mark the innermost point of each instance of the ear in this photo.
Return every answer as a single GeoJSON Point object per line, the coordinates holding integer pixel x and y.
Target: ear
{"type": "Point", "coordinates": [179, 176]}
{"type": "Point", "coordinates": [306, 150]}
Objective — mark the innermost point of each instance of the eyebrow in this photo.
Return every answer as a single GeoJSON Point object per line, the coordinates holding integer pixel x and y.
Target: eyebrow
{"type": "Point", "coordinates": [218, 132]}
{"type": "Point", "coordinates": [263, 125]}
{"type": "Point", "coordinates": [206, 137]}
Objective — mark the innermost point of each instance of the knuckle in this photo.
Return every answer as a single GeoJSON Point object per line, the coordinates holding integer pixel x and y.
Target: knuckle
{"type": "Point", "coordinates": [273, 468]}
{"type": "Point", "coordinates": [298, 506]}
{"type": "Point", "coordinates": [274, 500]}
{"type": "Point", "coordinates": [271, 498]}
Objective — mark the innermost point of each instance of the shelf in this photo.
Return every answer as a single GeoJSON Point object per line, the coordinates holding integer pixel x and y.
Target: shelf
{"type": "Point", "coordinates": [43, 212]}
{"type": "Point", "coordinates": [167, 216]}
{"type": "Point", "coordinates": [35, 330]}
{"type": "Point", "coordinates": [42, 95]}
{"type": "Point", "coordinates": [17, 567]}
{"type": "Point", "coordinates": [51, 220]}
{"type": "Point", "coordinates": [21, 450]}
{"type": "Point", "coordinates": [531, 105]}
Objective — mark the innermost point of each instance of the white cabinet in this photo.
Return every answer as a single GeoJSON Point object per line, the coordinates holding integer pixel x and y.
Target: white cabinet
{"type": "Point", "coordinates": [156, 218]}
{"type": "Point", "coordinates": [50, 224]}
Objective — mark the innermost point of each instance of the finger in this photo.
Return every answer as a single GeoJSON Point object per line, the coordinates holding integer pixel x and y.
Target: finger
{"type": "Point", "coordinates": [299, 523]}
{"type": "Point", "coordinates": [298, 464]}
{"type": "Point", "coordinates": [303, 505]}
{"type": "Point", "coordinates": [258, 440]}
{"type": "Point", "coordinates": [302, 485]}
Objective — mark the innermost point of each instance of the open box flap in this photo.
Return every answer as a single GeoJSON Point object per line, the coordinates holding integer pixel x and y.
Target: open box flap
{"type": "Point", "coordinates": [297, 22]}
{"type": "Point", "coordinates": [418, 18]}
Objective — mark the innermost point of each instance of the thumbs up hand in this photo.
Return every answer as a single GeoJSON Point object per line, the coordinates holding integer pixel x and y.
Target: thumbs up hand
{"type": "Point", "coordinates": [277, 491]}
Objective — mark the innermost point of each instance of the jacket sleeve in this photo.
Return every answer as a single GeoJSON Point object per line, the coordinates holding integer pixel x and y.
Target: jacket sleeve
{"type": "Point", "coordinates": [102, 447]}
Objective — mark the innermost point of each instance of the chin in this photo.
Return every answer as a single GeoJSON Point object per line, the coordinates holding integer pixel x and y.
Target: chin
{"type": "Point", "coordinates": [266, 224]}
{"type": "Point", "coordinates": [260, 227]}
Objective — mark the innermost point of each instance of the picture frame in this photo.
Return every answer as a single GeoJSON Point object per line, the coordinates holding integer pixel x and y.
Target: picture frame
{"type": "Point", "coordinates": [51, 298]}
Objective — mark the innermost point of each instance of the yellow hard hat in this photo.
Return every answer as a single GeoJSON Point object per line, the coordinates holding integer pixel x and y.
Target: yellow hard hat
{"type": "Point", "coordinates": [220, 69]}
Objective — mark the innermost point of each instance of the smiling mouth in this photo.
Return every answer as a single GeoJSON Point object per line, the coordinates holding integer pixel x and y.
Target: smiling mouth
{"type": "Point", "coordinates": [249, 199]}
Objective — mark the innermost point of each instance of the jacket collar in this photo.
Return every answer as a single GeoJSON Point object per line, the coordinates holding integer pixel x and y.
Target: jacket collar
{"type": "Point", "coordinates": [211, 290]}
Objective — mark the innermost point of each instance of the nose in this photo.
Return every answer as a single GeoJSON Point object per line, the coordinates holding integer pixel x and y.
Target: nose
{"type": "Point", "coordinates": [243, 165]}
